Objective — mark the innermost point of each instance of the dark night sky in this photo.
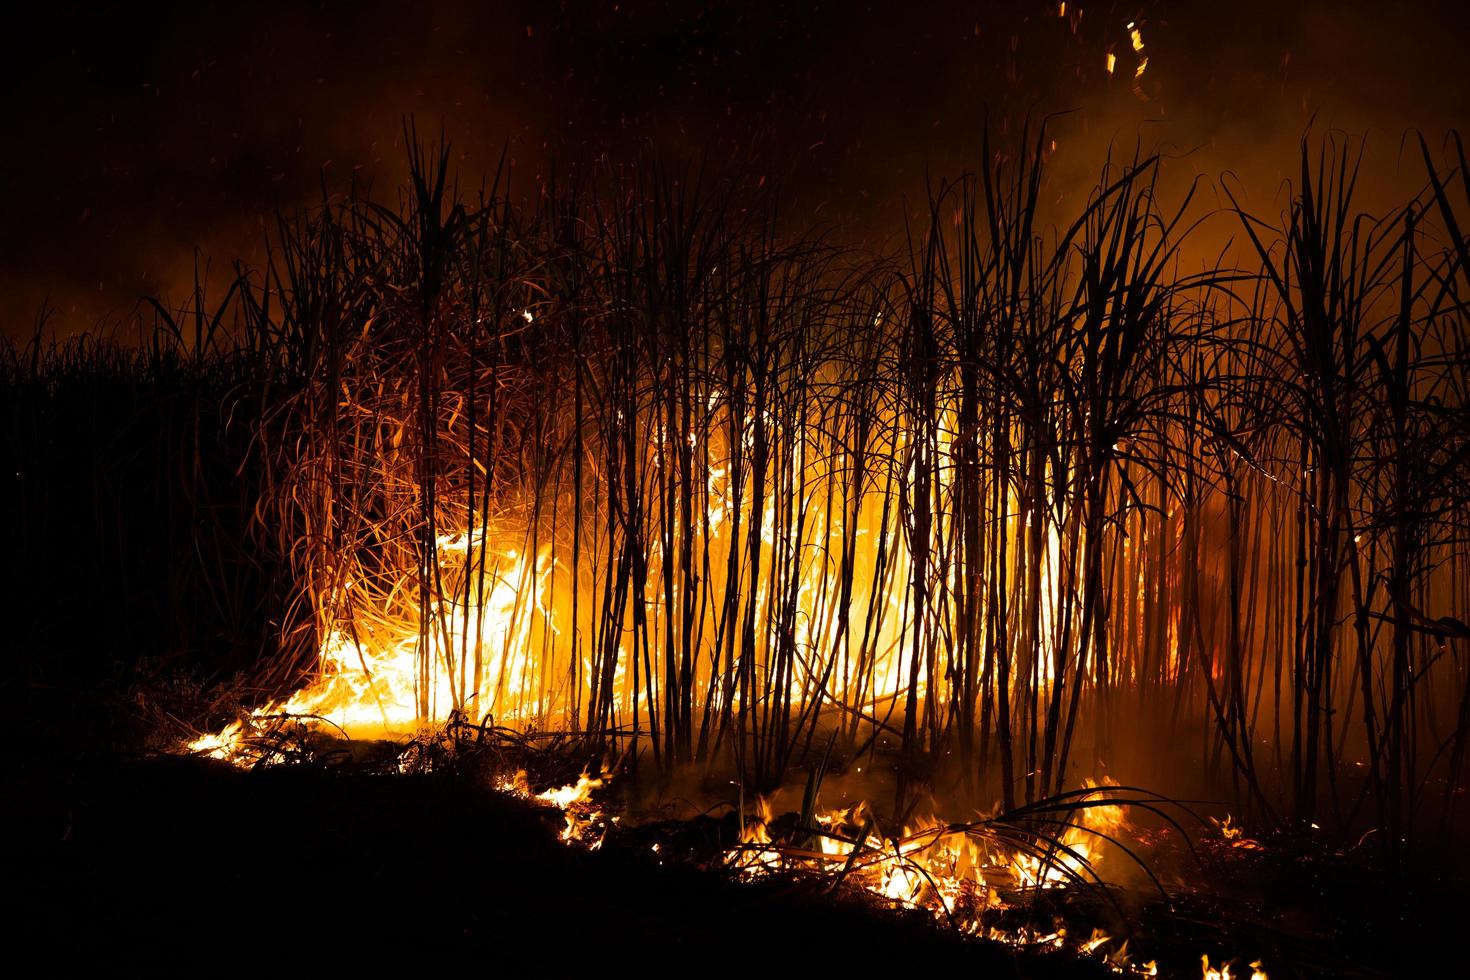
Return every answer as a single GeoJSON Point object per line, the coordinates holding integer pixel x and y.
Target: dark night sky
{"type": "Point", "coordinates": [137, 134]}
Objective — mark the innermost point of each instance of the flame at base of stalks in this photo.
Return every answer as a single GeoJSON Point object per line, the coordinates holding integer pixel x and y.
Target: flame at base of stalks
{"type": "Point", "coordinates": [370, 679]}
{"type": "Point", "coordinates": [355, 690]}
{"type": "Point", "coordinates": [953, 870]}
{"type": "Point", "coordinates": [950, 870]}
{"type": "Point", "coordinates": [934, 866]}
{"type": "Point", "coordinates": [1079, 846]}
{"type": "Point", "coordinates": [931, 860]}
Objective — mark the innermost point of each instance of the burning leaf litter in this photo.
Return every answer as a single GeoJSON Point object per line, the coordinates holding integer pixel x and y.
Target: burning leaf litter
{"type": "Point", "coordinates": [573, 799]}
{"type": "Point", "coordinates": [956, 873]}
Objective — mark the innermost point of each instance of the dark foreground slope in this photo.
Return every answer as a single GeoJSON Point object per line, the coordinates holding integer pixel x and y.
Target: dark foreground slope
{"type": "Point", "coordinates": [186, 867]}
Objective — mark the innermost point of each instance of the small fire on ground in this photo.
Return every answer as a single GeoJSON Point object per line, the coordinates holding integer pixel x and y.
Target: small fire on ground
{"type": "Point", "coordinates": [956, 872]}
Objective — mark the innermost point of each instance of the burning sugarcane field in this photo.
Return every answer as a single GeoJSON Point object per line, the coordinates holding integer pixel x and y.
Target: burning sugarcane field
{"type": "Point", "coordinates": [689, 487]}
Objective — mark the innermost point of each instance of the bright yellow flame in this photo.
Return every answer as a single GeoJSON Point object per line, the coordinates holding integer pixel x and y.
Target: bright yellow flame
{"type": "Point", "coordinates": [574, 800]}
{"type": "Point", "coordinates": [483, 627]}
{"type": "Point", "coordinates": [369, 680]}
{"type": "Point", "coordinates": [1081, 844]}
{"type": "Point", "coordinates": [948, 870]}
{"type": "Point", "coordinates": [579, 792]}
{"type": "Point", "coordinates": [1234, 835]}
{"type": "Point", "coordinates": [1222, 972]}
{"type": "Point", "coordinates": [753, 856]}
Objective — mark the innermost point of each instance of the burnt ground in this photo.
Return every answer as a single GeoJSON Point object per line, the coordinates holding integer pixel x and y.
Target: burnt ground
{"type": "Point", "coordinates": [140, 862]}
{"type": "Point", "coordinates": [184, 866]}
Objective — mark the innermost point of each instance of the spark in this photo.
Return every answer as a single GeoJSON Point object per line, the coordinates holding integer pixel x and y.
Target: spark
{"type": "Point", "coordinates": [1137, 38]}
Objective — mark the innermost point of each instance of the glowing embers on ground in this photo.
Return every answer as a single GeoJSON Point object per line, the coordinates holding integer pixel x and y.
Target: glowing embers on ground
{"type": "Point", "coordinates": [933, 861]}
{"type": "Point", "coordinates": [968, 876]}
{"type": "Point", "coordinates": [957, 872]}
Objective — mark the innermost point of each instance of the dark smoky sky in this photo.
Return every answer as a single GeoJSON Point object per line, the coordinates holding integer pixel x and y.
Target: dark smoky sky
{"type": "Point", "coordinates": [138, 136]}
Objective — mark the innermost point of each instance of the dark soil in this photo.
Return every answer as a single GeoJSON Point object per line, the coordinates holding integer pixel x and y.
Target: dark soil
{"type": "Point", "coordinates": [140, 862]}
{"type": "Point", "coordinates": [173, 865]}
